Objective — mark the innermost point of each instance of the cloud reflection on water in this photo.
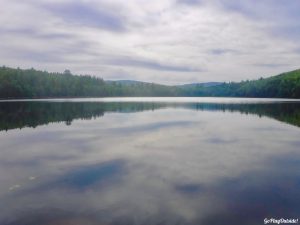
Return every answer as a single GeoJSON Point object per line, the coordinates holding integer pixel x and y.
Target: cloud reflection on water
{"type": "Point", "coordinates": [167, 166]}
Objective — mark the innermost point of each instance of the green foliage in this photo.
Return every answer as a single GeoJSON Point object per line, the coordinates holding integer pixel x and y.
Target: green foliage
{"type": "Point", "coordinates": [31, 83]}
{"type": "Point", "coordinates": [286, 85]}
{"type": "Point", "coordinates": [17, 83]}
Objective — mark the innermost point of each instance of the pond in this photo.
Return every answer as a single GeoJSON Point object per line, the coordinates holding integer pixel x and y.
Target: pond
{"type": "Point", "coordinates": [149, 161]}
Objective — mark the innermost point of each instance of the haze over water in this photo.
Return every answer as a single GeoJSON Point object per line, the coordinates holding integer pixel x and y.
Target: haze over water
{"type": "Point", "coordinates": [149, 161]}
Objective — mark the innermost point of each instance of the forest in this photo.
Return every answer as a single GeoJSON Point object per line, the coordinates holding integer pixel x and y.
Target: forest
{"type": "Point", "coordinates": [31, 83]}
{"type": "Point", "coordinates": [285, 85]}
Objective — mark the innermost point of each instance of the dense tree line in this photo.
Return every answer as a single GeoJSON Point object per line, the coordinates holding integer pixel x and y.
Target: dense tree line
{"type": "Point", "coordinates": [286, 85]}
{"type": "Point", "coordinates": [34, 113]}
{"type": "Point", "coordinates": [31, 83]}
{"type": "Point", "coordinates": [18, 83]}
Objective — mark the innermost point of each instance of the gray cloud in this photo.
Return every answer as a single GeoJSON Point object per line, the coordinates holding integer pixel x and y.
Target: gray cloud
{"type": "Point", "coordinates": [220, 51]}
{"type": "Point", "coordinates": [288, 31]}
{"type": "Point", "coordinates": [34, 33]}
{"type": "Point", "coordinates": [148, 64]}
{"type": "Point", "coordinates": [165, 41]}
{"type": "Point", "coordinates": [78, 13]}
{"type": "Point", "coordinates": [270, 65]}
{"type": "Point", "coordinates": [190, 2]}
{"type": "Point", "coordinates": [297, 50]}
{"type": "Point", "coordinates": [264, 9]}
{"type": "Point", "coordinates": [283, 15]}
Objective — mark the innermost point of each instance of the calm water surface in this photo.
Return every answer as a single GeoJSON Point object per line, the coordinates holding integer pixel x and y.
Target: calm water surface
{"type": "Point", "coordinates": [149, 161]}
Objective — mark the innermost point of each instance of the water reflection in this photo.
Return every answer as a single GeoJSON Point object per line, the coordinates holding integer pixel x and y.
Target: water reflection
{"type": "Point", "coordinates": [32, 114]}
{"type": "Point", "coordinates": [168, 164]}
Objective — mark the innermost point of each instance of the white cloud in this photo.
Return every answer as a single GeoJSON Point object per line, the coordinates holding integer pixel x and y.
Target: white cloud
{"type": "Point", "coordinates": [162, 41]}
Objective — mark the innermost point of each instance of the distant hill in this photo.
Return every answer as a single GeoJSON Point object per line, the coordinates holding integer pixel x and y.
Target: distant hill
{"type": "Point", "coordinates": [181, 88]}
{"type": "Point", "coordinates": [130, 82]}
{"type": "Point", "coordinates": [126, 82]}
{"type": "Point", "coordinates": [31, 83]}
{"type": "Point", "coordinates": [205, 84]}
{"type": "Point", "coordinates": [285, 85]}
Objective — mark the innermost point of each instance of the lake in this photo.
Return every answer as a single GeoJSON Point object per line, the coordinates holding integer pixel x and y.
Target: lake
{"type": "Point", "coordinates": [149, 161]}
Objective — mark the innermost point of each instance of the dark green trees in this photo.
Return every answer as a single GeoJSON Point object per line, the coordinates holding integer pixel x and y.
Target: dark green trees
{"type": "Point", "coordinates": [17, 83]}
{"type": "Point", "coordinates": [31, 83]}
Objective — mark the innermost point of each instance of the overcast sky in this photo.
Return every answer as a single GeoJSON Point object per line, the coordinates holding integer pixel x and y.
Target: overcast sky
{"type": "Point", "coordinates": [165, 41]}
